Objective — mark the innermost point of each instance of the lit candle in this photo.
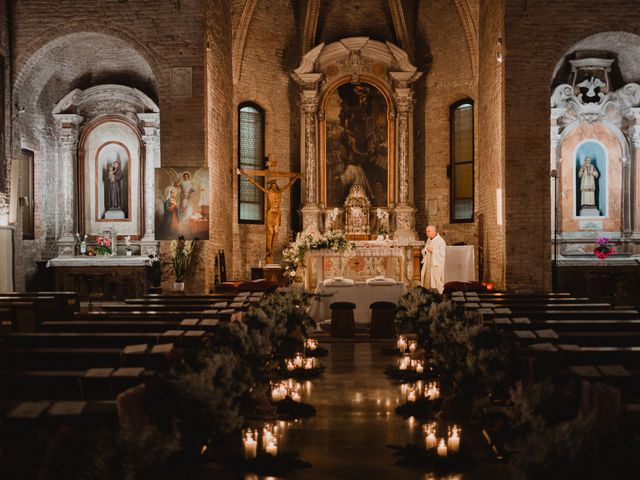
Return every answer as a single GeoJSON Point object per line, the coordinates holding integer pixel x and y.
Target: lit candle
{"type": "Point", "coordinates": [298, 360]}
{"type": "Point", "coordinates": [442, 449]}
{"type": "Point", "coordinates": [430, 440]}
{"type": "Point", "coordinates": [419, 366]}
{"type": "Point", "coordinates": [403, 365]}
{"type": "Point", "coordinates": [250, 448]}
{"type": "Point", "coordinates": [454, 440]}
{"type": "Point", "coordinates": [312, 344]}
{"type": "Point", "coordinates": [290, 365]}
{"type": "Point", "coordinates": [411, 395]}
{"type": "Point", "coordinates": [295, 396]}
{"type": "Point", "coordinates": [402, 343]}
{"type": "Point", "coordinates": [413, 345]}
{"type": "Point", "coordinates": [404, 390]}
{"type": "Point", "coordinates": [267, 437]}
{"type": "Point", "coordinates": [308, 364]}
{"type": "Point", "coordinates": [272, 448]}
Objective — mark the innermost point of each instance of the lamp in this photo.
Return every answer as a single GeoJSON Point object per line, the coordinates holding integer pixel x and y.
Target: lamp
{"type": "Point", "coordinates": [554, 263]}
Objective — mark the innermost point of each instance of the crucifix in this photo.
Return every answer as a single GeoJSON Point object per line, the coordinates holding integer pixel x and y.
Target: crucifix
{"type": "Point", "coordinates": [274, 198]}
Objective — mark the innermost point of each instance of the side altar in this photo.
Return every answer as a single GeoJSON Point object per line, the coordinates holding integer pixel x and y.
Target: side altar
{"type": "Point", "coordinates": [111, 277]}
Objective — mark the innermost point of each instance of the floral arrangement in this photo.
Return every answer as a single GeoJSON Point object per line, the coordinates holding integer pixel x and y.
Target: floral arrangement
{"type": "Point", "coordinates": [103, 246]}
{"type": "Point", "coordinates": [185, 255]}
{"type": "Point", "coordinates": [603, 250]}
{"type": "Point", "coordinates": [294, 255]}
{"type": "Point", "coordinates": [383, 221]}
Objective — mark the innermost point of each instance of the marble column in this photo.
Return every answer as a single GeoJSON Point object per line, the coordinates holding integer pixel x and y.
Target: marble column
{"type": "Point", "coordinates": [634, 177]}
{"type": "Point", "coordinates": [405, 213]}
{"type": "Point", "coordinates": [309, 125]}
{"type": "Point", "coordinates": [151, 139]}
{"type": "Point", "coordinates": [67, 129]}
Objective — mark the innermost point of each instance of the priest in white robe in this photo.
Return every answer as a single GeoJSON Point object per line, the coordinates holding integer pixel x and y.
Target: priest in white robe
{"type": "Point", "coordinates": [432, 273]}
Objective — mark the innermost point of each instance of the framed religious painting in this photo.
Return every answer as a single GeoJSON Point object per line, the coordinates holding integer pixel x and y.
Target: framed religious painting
{"type": "Point", "coordinates": [182, 203]}
{"type": "Point", "coordinates": [357, 145]}
{"type": "Point", "coordinates": [111, 177]}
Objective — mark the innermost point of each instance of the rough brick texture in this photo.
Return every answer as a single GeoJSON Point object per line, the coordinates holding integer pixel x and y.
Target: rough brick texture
{"type": "Point", "coordinates": [219, 130]}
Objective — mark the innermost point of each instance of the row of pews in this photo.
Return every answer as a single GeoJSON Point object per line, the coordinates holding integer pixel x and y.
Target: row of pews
{"type": "Point", "coordinates": [59, 365]}
{"type": "Point", "coordinates": [565, 335]}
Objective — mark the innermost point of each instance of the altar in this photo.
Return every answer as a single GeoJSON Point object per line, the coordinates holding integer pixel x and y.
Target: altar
{"type": "Point", "coordinates": [365, 260]}
{"type": "Point", "coordinates": [116, 277]}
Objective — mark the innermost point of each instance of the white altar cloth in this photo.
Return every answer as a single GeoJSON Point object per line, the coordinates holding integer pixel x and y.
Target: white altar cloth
{"type": "Point", "coordinates": [100, 261]}
{"type": "Point", "coordinates": [459, 264]}
{"type": "Point", "coordinates": [361, 293]}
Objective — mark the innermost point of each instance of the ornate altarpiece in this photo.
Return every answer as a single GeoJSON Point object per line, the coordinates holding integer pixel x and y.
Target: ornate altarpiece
{"type": "Point", "coordinates": [371, 67]}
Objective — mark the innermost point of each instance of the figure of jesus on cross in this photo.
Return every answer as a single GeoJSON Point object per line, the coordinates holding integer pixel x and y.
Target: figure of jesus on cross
{"type": "Point", "coordinates": [274, 199]}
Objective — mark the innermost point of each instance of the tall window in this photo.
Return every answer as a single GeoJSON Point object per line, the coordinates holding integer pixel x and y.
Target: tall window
{"type": "Point", "coordinates": [250, 156]}
{"type": "Point", "coordinates": [461, 169]}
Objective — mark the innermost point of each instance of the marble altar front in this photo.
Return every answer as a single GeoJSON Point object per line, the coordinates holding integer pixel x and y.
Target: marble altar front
{"type": "Point", "coordinates": [366, 260]}
{"type": "Point", "coordinates": [110, 277]}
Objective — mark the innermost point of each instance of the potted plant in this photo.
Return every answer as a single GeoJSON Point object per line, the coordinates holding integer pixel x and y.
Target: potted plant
{"type": "Point", "coordinates": [185, 255]}
{"type": "Point", "coordinates": [603, 250]}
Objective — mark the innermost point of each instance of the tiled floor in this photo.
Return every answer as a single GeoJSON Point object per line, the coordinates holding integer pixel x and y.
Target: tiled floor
{"type": "Point", "coordinates": [355, 422]}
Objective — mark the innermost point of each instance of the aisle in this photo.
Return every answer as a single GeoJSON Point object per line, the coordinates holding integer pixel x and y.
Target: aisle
{"type": "Point", "coordinates": [355, 419]}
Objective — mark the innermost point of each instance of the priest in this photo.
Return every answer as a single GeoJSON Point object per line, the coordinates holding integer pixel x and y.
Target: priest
{"type": "Point", "coordinates": [432, 273]}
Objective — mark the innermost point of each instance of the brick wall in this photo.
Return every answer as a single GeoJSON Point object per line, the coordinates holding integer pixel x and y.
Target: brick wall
{"type": "Point", "coordinates": [442, 50]}
{"type": "Point", "coordinates": [219, 121]}
{"type": "Point", "coordinates": [490, 141]}
{"type": "Point", "coordinates": [265, 80]}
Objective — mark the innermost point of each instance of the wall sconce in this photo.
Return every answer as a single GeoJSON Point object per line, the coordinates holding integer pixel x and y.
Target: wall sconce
{"type": "Point", "coordinates": [23, 201]}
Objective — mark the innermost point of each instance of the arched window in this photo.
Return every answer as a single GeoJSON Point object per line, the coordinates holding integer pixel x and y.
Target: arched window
{"type": "Point", "coordinates": [461, 168]}
{"type": "Point", "coordinates": [250, 156]}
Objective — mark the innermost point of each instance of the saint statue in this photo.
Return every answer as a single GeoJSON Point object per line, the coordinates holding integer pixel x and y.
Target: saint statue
{"type": "Point", "coordinates": [274, 199]}
{"type": "Point", "coordinates": [115, 185]}
{"type": "Point", "coordinates": [588, 175]}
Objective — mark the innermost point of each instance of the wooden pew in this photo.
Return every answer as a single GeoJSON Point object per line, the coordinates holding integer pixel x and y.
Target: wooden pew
{"type": "Point", "coordinates": [132, 326]}
{"type": "Point", "coordinates": [67, 303]}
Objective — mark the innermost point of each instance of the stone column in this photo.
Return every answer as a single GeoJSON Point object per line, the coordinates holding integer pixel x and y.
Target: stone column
{"type": "Point", "coordinates": [67, 129]}
{"type": "Point", "coordinates": [405, 213]}
{"type": "Point", "coordinates": [309, 131]}
{"type": "Point", "coordinates": [151, 139]}
{"type": "Point", "coordinates": [632, 197]}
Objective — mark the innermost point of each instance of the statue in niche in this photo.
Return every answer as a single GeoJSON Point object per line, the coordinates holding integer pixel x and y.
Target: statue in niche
{"type": "Point", "coordinates": [588, 180]}
{"type": "Point", "coordinates": [115, 185]}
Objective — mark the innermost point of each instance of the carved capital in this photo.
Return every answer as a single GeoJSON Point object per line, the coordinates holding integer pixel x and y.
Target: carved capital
{"type": "Point", "coordinates": [308, 103]}
{"type": "Point", "coordinates": [404, 100]}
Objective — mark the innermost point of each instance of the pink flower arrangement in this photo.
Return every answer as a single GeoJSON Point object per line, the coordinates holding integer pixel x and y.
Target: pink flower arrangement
{"type": "Point", "coordinates": [603, 250]}
{"type": "Point", "coordinates": [104, 246]}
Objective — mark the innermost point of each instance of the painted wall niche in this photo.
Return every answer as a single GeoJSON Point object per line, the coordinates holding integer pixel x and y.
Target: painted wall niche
{"type": "Point", "coordinates": [111, 177]}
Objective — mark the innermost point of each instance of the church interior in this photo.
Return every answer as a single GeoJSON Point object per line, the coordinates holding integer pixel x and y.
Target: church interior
{"type": "Point", "coordinates": [319, 239]}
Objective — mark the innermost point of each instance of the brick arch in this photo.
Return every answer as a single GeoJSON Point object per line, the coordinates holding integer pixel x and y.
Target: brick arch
{"type": "Point", "coordinates": [625, 45]}
{"type": "Point", "coordinates": [470, 32]}
{"type": "Point", "coordinates": [37, 47]}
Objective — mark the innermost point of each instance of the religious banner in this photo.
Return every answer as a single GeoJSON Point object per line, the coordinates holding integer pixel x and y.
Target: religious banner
{"type": "Point", "coordinates": [357, 141]}
{"type": "Point", "coordinates": [182, 203]}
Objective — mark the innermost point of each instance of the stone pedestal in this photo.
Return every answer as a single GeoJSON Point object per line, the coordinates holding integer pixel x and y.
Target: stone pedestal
{"type": "Point", "coordinates": [405, 224]}
{"type": "Point", "coordinates": [589, 211]}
